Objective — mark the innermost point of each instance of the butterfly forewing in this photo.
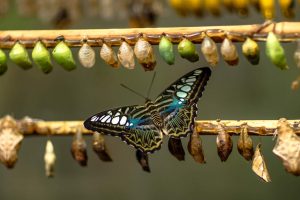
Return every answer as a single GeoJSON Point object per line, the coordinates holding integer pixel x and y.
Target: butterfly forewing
{"type": "Point", "coordinates": [178, 103]}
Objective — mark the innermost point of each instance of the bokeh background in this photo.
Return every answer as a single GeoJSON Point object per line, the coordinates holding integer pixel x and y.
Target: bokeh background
{"type": "Point", "coordinates": [241, 92]}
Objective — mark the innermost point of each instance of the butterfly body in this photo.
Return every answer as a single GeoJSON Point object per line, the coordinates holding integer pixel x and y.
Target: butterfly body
{"type": "Point", "coordinates": [172, 114]}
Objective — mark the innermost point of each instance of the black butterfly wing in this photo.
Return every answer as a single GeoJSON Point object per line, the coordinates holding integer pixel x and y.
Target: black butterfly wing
{"type": "Point", "coordinates": [132, 124]}
{"type": "Point", "coordinates": [177, 105]}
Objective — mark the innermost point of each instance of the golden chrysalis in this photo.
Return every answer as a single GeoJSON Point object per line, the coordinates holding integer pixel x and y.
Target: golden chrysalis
{"type": "Point", "coordinates": [126, 55]}
{"type": "Point", "coordinates": [267, 8]}
{"type": "Point", "coordinates": [86, 55]}
{"type": "Point", "coordinates": [250, 50]}
{"type": "Point", "coordinates": [109, 56]}
{"type": "Point", "coordinates": [210, 51]}
{"type": "Point", "coordinates": [245, 144]}
{"type": "Point", "coordinates": [145, 54]}
{"type": "Point", "coordinates": [229, 52]}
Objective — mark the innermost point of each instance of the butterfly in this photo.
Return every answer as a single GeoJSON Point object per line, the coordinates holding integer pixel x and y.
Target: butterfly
{"type": "Point", "coordinates": [172, 113]}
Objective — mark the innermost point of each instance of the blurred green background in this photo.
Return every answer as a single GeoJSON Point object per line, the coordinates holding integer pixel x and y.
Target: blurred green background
{"type": "Point", "coordinates": [241, 92]}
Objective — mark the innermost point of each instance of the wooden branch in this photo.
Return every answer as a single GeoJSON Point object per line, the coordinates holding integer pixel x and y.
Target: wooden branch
{"type": "Point", "coordinates": [288, 31]}
{"type": "Point", "coordinates": [203, 127]}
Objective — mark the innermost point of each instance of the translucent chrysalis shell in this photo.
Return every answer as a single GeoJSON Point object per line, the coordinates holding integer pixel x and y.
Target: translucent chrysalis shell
{"type": "Point", "coordinates": [145, 54]}
{"type": "Point", "coordinates": [86, 56]}
{"type": "Point", "coordinates": [19, 56]}
{"type": "Point", "coordinates": [210, 51]}
{"type": "Point", "coordinates": [126, 55]}
{"type": "Point", "coordinates": [109, 56]}
{"type": "Point", "coordinates": [62, 54]}
{"type": "Point", "coordinates": [41, 57]}
{"type": "Point", "coordinates": [49, 158]}
{"type": "Point", "coordinates": [229, 52]}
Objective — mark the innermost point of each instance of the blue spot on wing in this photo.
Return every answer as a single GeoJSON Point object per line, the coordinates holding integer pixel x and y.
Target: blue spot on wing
{"type": "Point", "coordinates": [175, 105]}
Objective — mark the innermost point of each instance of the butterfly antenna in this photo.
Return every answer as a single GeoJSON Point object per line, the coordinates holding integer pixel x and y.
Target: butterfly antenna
{"type": "Point", "coordinates": [150, 87]}
{"type": "Point", "coordinates": [135, 92]}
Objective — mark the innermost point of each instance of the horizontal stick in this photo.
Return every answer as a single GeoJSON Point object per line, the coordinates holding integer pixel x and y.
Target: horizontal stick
{"type": "Point", "coordinates": [203, 127]}
{"type": "Point", "coordinates": [288, 31]}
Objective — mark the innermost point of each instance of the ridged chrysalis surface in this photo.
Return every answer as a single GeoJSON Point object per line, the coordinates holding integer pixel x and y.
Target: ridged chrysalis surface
{"type": "Point", "coordinates": [187, 50]}
{"type": "Point", "coordinates": [126, 55]}
{"type": "Point", "coordinates": [19, 56]}
{"type": "Point", "coordinates": [62, 54]}
{"type": "Point", "coordinates": [210, 51]}
{"type": "Point", "coordinates": [109, 56]}
{"type": "Point", "coordinates": [86, 56]}
{"type": "Point", "coordinates": [41, 57]}
{"type": "Point", "coordinates": [145, 54]}
{"type": "Point", "coordinates": [229, 52]}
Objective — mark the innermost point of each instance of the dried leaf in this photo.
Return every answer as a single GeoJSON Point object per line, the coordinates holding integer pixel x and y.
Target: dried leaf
{"type": "Point", "coordinates": [78, 149]}
{"type": "Point", "coordinates": [142, 158]}
{"type": "Point", "coordinates": [287, 147]}
{"type": "Point", "coordinates": [49, 158]}
{"type": "Point", "coordinates": [109, 56]}
{"type": "Point", "coordinates": [10, 141]}
{"type": "Point", "coordinates": [259, 166]}
{"type": "Point", "coordinates": [86, 55]}
{"type": "Point", "coordinates": [187, 50]}
{"type": "Point", "coordinates": [245, 144]}
{"type": "Point", "coordinates": [210, 51]}
{"type": "Point", "coordinates": [251, 51]}
{"type": "Point", "coordinates": [145, 54]}
{"type": "Point", "coordinates": [41, 57]}
{"type": "Point", "coordinates": [126, 55]}
{"type": "Point", "coordinates": [100, 148]}
{"type": "Point", "coordinates": [224, 143]}
{"type": "Point", "coordinates": [229, 52]}
{"type": "Point", "coordinates": [19, 56]}
{"type": "Point", "coordinates": [195, 147]}
{"type": "Point", "coordinates": [3, 64]}
{"type": "Point", "coordinates": [62, 54]}
{"type": "Point", "coordinates": [175, 148]}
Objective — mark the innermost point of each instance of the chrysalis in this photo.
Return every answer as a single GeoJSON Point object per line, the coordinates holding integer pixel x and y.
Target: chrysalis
{"type": "Point", "coordinates": [267, 8]}
{"type": "Point", "coordinates": [175, 148]}
{"type": "Point", "coordinates": [210, 51]}
{"type": "Point", "coordinates": [86, 55]}
{"type": "Point", "coordinates": [10, 141]}
{"type": "Point", "coordinates": [287, 8]}
{"type": "Point", "coordinates": [241, 6]}
{"type": "Point", "coordinates": [195, 147]}
{"type": "Point", "coordinates": [213, 6]}
{"type": "Point", "coordinates": [196, 6]}
{"type": "Point", "coordinates": [295, 84]}
{"type": "Point", "coordinates": [19, 56]}
{"type": "Point", "coordinates": [3, 64]}
{"type": "Point", "coordinates": [109, 56]}
{"type": "Point", "coordinates": [126, 55]}
{"type": "Point", "coordinates": [187, 50]}
{"type": "Point", "coordinates": [166, 50]}
{"type": "Point", "coordinates": [259, 166]}
{"type": "Point", "coordinates": [297, 54]}
{"type": "Point", "coordinates": [224, 143]}
{"type": "Point", "coordinates": [180, 6]}
{"type": "Point", "coordinates": [78, 149]}
{"type": "Point", "coordinates": [49, 158]}
{"type": "Point", "coordinates": [145, 55]}
{"type": "Point", "coordinates": [62, 54]}
{"type": "Point", "coordinates": [245, 144]}
{"type": "Point", "coordinates": [41, 57]}
{"type": "Point", "coordinates": [229, 52]}
{"type": "Point", "coordinates": [287, 147]}
{"type": "Point", "coordinates": [142, 158]}
{"type": "Point", "coordinates": [100, 148]}
{"type": "Point", "coordinates": [275, 52]}
{"type": "Point", "coordinates": [251, 51]}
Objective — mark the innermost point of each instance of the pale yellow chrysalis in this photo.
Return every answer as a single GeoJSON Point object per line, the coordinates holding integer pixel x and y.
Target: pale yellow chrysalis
{"type": "Point", "coordinates": [145, 54]}
{"type": "Point", "coordinates": [49, 158]}
{"type": "Point", "coordinates": [109, 56]}
{"type": "Point", "coordinates": [86, 55]}
{"type": "Point", "coordinates": [126, 55]}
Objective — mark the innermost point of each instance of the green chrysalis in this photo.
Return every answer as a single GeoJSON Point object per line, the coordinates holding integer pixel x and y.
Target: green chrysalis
{"type": "Point", "coordinates": [41, 57]}
{"type": "Point", "coordinates": [19, 56]}
{"type": "Point", "coordinates": [62, 54]}
{"type": "Point", "coordinates": [251, 51]}
{"type": "Point", "coordinates": [275, 52]}
{"type": "Point", "coordinates": [3, 65]}
{"type": "Point", "coordinates": [187, 50]}
{"type": "Point", "coordinates": [166, 50]}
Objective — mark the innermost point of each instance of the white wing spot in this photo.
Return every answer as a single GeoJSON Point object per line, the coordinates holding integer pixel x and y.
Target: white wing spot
{"type": "Point", "coordinates": [117, 114]}
{"type": "Point", "coordinates": [186, 88]}
{"type": "Point", "coordinates": [197, 72]}
{"type": "Point", "coordinates": [127, 124]}
{"type": "Point", "coordinates": [190, 83]}
{"type": "Point", "coordinates": [181, 94]}
{"type": "Point", "coordinates": [109, 112]}
{"type": "Point", "coordinates": [94, 118]}
{"type": "Point", "coordinates": [191, 80]}
{"type": "Point", "coordinates": [181, 99]}
{"type": "Point", "coordinates": [102, 117]}
{"type": "Point", "coordinates": [105, 118]}
{"type": "Point", "coordinates": [179, 86]}
{"type": "Point", "coordinates": [109, 119]}
{"type": "Point", "coordinates": [131, 124]}
{"type": "Point", "coordinates": [115, 120]}
{"type": "Point", "coordinates": [123, 120]}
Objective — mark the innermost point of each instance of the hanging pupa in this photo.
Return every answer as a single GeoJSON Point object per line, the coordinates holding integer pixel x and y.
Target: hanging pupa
{"type": "Point", "coordinates": [175, 148]}
{"type": "Point", "coordinates": [195, 147]}
{"type": "Point", "coordinates": [210, 51]}
{"type": "Point", "coordinates": [196, 6]}
{"type": "Point", "coordinates": [228, 4]}
{"type": "Point", "coordinates": [267, 8]}
{"type": "Point", "coordinates": [259, 166]}
{"type": "Point", "coordinates": [224, 143]}
{"type": "Point", "coordinates": [241, 6]}
{"type": "Point", "coordinates": [126, 56]}
{"type": "Point", "coordinates": [86, 56]}
{"type": "Point", "coordinates": [145, 54]}
{"type": "Point", "coordinates": [100, 148]}
{"type": "Point", "coordinates": [166, 50]}
{"type": "Point", "coordinates": [41, 57]}
{"type": "Point", "coordinates": [78, 149]}
{"type": "Point", "coordinates": [3, 64]}
{"type": "Point", "coordinates": [187, 50]}
{"type": "Point", "coordinates": [49, 158]}
{"type": "Point", "coordinates": [62, 54]}
{"type": "Point", "coordinates": [180, 6]}
{"type": "Point", "coordinates": [245, 144]}
{"type": "Point", "coordinates": [275, 52]}
{"type": "Point", "coordinates": [295, 84]}
{"type": "Point", "coordinates": [250, 50]}
{"type": "Point", "coordinates": [142, 158]}
{"type": "Point", "coordinates": [229, 52]}
{"type": "Point", "coordinates": [213, 6]}
{"type": "Point", "coordinates": [109, 56]}
{"type": "Point", "coordinates": [297, 54]}
{"type": "Point", "coordinates": [19, 56]}
{"type": "Point", "coordinates": [287, 8]}
{"type": "Point", "coordinates": [287, 147]}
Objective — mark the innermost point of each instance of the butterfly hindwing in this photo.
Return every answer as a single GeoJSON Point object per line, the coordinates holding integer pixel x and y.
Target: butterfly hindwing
{"type": "Point", "coordinates": [132, 124]}
{"type": "Point", "coordinates": [178, 103]}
